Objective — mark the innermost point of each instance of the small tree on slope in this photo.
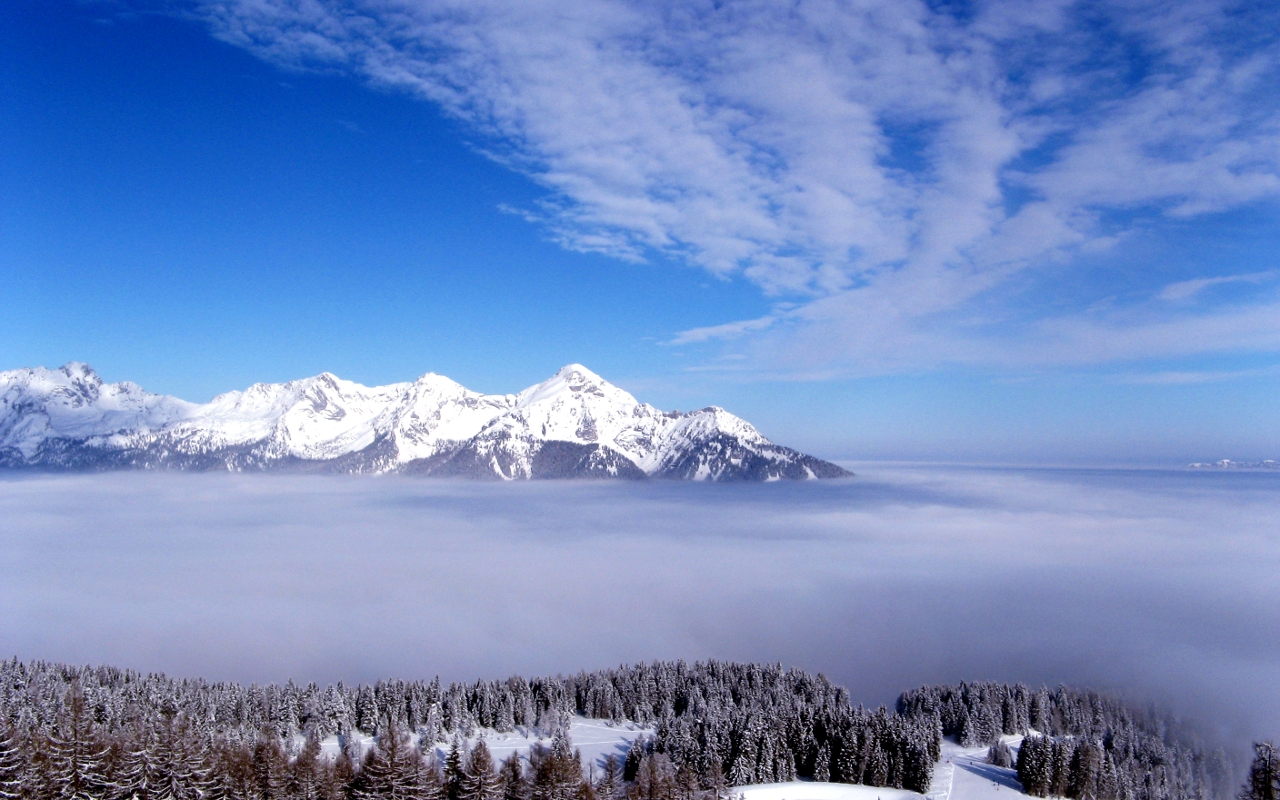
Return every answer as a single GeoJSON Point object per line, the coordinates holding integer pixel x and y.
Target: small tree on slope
{"type": "Point", "coordinates": [1263, 782]}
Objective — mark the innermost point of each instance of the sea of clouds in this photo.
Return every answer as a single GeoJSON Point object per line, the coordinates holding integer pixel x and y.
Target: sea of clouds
{"type": "Point", "coordinates": [1158, 584]}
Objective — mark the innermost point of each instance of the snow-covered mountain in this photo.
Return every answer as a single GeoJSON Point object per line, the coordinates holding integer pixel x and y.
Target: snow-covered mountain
{"type": "Point", "coordinates": [1229, 464]}
{"type": "Point", "coordinates": [574, 424]}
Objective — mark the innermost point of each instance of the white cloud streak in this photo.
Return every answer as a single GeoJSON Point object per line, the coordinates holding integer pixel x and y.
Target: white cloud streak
{"type": "Point", "coordinates": [1185, 290]}
{"type": "Point", "coordinates": [883, 162]}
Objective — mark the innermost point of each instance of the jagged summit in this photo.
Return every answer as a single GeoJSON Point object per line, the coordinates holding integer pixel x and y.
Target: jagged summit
{"type": "Point", "coordinates": [574, 424]}
{"type": "Point", "coordinates": [573, 381]}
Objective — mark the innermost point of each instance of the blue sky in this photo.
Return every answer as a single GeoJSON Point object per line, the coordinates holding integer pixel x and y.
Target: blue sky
{"type": "Point", "coordinates": [1031, 232]}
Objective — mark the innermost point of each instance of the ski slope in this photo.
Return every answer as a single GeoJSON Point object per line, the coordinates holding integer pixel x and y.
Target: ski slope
{"type": "Point", "coordinates": [962, 774]}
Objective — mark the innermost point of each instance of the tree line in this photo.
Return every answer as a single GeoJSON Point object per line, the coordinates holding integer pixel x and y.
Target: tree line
{"type": "Point", "coordinates": [74, 733]}
{"type": "Point", "coordinates": [716, 723]}
{"type": "Point", "coordinates": [169, 760]}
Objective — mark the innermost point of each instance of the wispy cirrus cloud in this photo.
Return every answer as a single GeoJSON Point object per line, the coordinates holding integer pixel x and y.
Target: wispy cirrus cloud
{"type": "Point", "coordinates": [882, 165]}
{"type": "Point", "coordinates": [1187, 377]}
{"type": "Point", "coordinates": [1184, 290]}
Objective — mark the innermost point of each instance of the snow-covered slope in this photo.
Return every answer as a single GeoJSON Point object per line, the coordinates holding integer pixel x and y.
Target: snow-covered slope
{"type": "Point", "coordinates": [574, 424]}
{"type": "Point", "coordinates": [962, 774]}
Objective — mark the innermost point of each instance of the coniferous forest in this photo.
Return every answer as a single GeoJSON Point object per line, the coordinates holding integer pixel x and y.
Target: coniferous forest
{"type": "Point", "coordinates": [1085, 745]}
{"type": "Point", "coordinates": [76, 733]}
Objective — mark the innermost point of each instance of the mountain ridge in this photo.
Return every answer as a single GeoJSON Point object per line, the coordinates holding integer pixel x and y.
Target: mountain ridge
{"type": "Point", "coordinates": [575, 424]}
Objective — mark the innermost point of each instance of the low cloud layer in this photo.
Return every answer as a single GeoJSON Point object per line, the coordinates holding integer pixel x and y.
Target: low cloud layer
{"type": "Point", "coordinates": [1160, 584]}
{"type": "Point", "coordinates": [890, 169]}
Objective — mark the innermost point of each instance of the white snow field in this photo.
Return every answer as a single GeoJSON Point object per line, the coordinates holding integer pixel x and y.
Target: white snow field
{"type": "Point", "coordinates": [596, 739]}
{"type": "Point", "coordinates": [809, 790]}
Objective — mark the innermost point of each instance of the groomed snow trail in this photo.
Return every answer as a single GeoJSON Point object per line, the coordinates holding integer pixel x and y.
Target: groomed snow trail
{"type": "Point", "coordinates": [964, 774]}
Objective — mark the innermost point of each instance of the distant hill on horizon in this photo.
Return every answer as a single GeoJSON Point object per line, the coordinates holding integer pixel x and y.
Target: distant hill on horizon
{"type": "Point", "coordinates": [1228, 464]}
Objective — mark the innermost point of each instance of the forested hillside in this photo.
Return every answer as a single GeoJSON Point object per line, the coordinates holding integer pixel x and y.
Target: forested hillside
{"type": "Point", "coordinates": [1084, 745]}
{"type": "Point", "coordinates": [101, 732]}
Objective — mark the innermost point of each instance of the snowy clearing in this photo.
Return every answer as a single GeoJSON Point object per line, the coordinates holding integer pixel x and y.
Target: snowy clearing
{"type": "Point", "coordinates": [596, 739]}
{"type": "Point", "coordinates": [809, 790]}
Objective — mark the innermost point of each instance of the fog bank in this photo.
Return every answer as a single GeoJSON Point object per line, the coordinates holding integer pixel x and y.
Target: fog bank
{"type": "Point", "coordinates": [1161, 584]}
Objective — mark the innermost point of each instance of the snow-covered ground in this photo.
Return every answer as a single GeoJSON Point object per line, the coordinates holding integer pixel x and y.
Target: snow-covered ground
{"type": "Point", "coordinates": [810, 790]}
{"type": "Point", "coordinates": [596, 739]}
{"type": "Point", "coordinates": [964, 774]}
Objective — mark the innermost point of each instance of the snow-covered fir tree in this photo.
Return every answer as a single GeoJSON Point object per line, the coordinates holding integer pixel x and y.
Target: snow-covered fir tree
{"type": "Point", "coordinates": [1263, 782]}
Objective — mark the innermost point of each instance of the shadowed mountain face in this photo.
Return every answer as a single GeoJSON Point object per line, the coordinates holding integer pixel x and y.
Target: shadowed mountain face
{"type": "Point", "coordinates": [573, 425]}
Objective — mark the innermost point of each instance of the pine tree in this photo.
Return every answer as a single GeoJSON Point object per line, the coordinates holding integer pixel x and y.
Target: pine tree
{"type": "Point", "coordinates": [557, 771]}
{"type": "Point", "coordinates": [392, 770]}
{"type": "Point", "coordinates": [686, 783]}
{"type": "Point", "coordinates": [655, 780]}
{"type": "Point", "coordinates": [180, 772]}
{"type": "Point", "coordinates": [877, 773]}
{"type": "Point", "coordinates": [430, 778]}
{"type": "Point", "coordinates": [917, 768]}
{"type": "Point", "coordinates": [137, 775]}
{"type": "Point", "coordinates": [270, 767]}
{"type": "Point", "coordinates": [1086, 767]}
{"type": "Point", "coordinates": [635, 754]}
{"type": "Point", "coordinates": [340, 777]}
{"type": "Point", "coordinates": [999, 755]}
{"type": "Point", "coordinates": [479, 781]}
{"type": "Point", "coordinates": [232, 776]}
{"type": "Point", "coordinates": [822, 764]}
{"type": "Point", "coordinates": [1032, 762]}
{"type": "Point", "coordinates": [1263, 782]}
{"type": "Point", "coordinates": [14, 783]}
{"type": "Point", "coordinates": [716, 784]}
{"type": "Point", "coordinates": [306, 773]}
{"type": "Point", "coordinates": [512, 779]}
{"type": "Point", "coordinates": [849, 762]}
{"type": "Point", "coordinates": [1063, 752]}
{"type": "Point", "coordinates": [609, 786]}
{"type": "Point", "coordinates": [453, 770]}
{"type": "Point", "coordinates": [75, 761]}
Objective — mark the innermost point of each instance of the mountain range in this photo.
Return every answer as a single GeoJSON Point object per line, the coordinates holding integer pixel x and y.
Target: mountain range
{"type": "Point", "coordinates": [1229, 464]}
{"type": "Point", "coordinates": [573, 425]}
